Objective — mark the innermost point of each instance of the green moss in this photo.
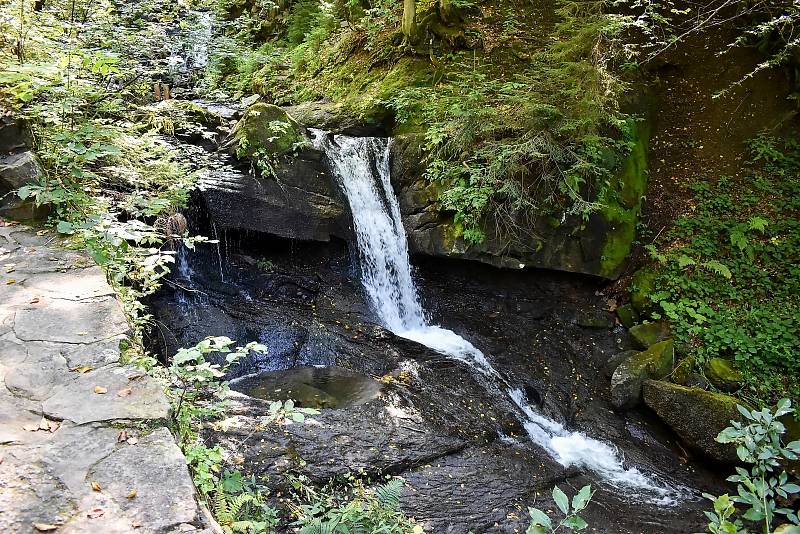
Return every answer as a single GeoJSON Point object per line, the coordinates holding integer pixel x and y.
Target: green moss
{"type": "Point", "coordinates": [266, 130]}
{"type": "Point", "coordinates": [648, 334]}
{"type": "Point", "coordinates": [623, 205]}
{"type": "Point", "coordinates": [642, 286]}
{"type": "Point", "coordinates": [723, 374]}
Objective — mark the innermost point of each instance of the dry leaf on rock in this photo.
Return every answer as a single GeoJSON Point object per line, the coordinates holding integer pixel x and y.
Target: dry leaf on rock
{"type": "Point", "coordinates": [124, 392]}
{"type": "Point", "coordinates": [100, 390]}
{"type": "Point", "coordinates": [34, 300]}
{"type": "Point", "coordinates": [133, 440]}
{"type": "Point", "coordinates": [94, 513]}
{"type": "Point", "coordinates": [82, 369]}
{"type": "Point", "coordinates": [96, 486]}
{"type": "Point", "coordinates": [123, 436]}
{"type": "Point", "coordinates": [45, 527]}
{"type": "Point", "coordinates": [131, 494]}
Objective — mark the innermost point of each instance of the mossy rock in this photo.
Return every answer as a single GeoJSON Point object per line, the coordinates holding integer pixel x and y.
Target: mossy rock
{"type": "Point", "coordinates": [684, 370]}
{"type": "Point", "coordinates": [627, 315]}
{"type": "Point", "coordinates": [697, 416]}
{"type": "Point", "coordinates": [265, 130]}
{"type": "Point", "coordinates": [627, 380]}
{"type": "Point", "coordinates": [723, 374]}
{"type": "Point", "coordinates": [595, 319]}
{"type": "Point", "coordinates": [643, 285]}
{"type": "Point", "coordinates": [648, 334]}
{"type": "Point", "coordinates": [621, 210]}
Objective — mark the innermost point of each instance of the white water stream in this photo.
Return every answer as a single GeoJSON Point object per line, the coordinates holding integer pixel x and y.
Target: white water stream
{"type": "Point", "coordinates": [361, 166]}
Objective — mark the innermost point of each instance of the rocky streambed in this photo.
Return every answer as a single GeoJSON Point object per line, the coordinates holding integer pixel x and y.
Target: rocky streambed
{"type": "Point", "coordinates": [468, 462]}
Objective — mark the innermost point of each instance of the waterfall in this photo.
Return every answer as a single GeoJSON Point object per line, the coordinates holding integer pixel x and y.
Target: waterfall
{"type": "Point", "coordinates": [361, 167]}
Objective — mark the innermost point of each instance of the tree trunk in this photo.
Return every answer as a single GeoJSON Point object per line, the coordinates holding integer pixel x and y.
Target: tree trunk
{"type": "Point", "coordinates": [409, 23]}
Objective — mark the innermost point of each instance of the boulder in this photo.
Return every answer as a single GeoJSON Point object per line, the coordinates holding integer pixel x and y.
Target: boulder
{"type": "Point", "coordinates": [697, 416]}
{"type": "Point", "coordinates": [265, 130]}
{"type": "Point", "coordinates": [17, 170]}
{"type": "Point", "coordinates": [643, 285]}
{"type": "Point", "coordinates": [648, 334]}
{"type": "Point", "coordinates": [593, 318]}
{"type": "Point", "coordinates": [335, 118]}
{"type": "Point", "coordinates": [615, 361]}
{"type": "Point", "coordinates": [627, 380]}
{"type": "Point", "coordinates": [627, 315]}
{"type": "Point", "coordinates": [723, 374]}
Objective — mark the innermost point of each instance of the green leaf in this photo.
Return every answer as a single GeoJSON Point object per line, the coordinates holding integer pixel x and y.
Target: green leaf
{"type": "Point", "coordinates": [684, 261]}
{"type": "Point", "coordinates": [574, 522]}
{"type": "Point", "coordinates": [718, 268]}
{"type": "Point", "coordinates": [561, 499]}
{"type": "Point", "coordinates": [581, 499]}
{"type": "Point", "coordinates": [539, 518]}
{"type": "Point", "coordinates": [24, 192]}
{"type": "Point", "coordinates": [64, 227]}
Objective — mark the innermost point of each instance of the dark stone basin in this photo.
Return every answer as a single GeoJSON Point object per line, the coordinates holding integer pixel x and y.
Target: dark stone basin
{"type": "Point", "coordinates": [311, 387]}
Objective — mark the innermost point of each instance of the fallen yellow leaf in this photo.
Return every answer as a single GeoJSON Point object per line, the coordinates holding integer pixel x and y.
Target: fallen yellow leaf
{"type": "Point", "coordinates": [131, 494]}
{"type": "Point", "coordinates": [9, 282]}
{"type": "Point", "coordinates": [100, 390]}
{"type": "Point", "coordinates": [95, 486]}
{"type": "Point", "coordinates": [82, 369]}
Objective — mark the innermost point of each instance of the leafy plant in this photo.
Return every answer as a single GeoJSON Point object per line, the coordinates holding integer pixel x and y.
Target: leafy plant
{"type": "Point", "coordinates": [541, 523]}
{"type": "Point", "coordinates": [286, 413]}
{"type": "Point", "coordinates": [758, 442]}
{"type": "Point", "coordinates": [353, 508]}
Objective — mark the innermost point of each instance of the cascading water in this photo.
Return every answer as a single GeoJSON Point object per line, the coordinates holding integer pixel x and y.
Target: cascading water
{"type": "Point", "coordinates": [361, 166]}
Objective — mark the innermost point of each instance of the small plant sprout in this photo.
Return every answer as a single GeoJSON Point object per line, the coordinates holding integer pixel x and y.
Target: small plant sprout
{"type": "Point", "coordinates": [541, 522]}
{"type": "Point", "coordinates": [286, 413]}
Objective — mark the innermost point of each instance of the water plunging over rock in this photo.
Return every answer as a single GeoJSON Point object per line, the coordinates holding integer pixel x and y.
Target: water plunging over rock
{"type": "Point", "coordinates": [361, 165]}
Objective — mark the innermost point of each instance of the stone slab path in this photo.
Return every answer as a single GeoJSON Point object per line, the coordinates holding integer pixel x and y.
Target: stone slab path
{"type": "Point", "coordinates": [72, 459]}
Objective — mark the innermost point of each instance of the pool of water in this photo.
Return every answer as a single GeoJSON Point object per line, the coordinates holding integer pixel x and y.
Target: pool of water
{"type": "Point", "coordinates": [311, 387]}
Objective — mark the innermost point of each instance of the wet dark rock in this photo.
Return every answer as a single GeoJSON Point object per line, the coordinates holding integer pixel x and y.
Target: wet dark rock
{"type": "Point", "coordinates": [334, 118]}
{"type": "Point", "coordinates": [627, 315]}
{"type": "Point", "coordinates": [626, 382]}
{"type": "Point", "coordinates": [298, 202]}
{"type": "Point", "coordinates": [615, 361]}
{"type": "Point", "coordinates": [648, 334]}
{"type": "Point", "coordinates": [697, 416]}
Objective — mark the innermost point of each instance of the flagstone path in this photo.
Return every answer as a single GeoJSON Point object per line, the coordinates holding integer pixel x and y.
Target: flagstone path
{"type": "Point", "coordinates": [83, 442]}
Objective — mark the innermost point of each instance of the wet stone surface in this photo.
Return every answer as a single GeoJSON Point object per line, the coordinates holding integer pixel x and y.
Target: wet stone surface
{"type": "Point", "coordinates": [452, 434]}
{"type": "Point", "coordinates": [60, 333]}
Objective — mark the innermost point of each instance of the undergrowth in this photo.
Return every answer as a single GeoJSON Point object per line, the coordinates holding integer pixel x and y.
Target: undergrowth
{"type": "Point", "coordinates": [517, 106]}
{"type": "Point", "coordinates": [728, 275]}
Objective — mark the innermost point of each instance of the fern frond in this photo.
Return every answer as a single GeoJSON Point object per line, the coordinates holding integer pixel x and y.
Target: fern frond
{"type": "Point", "coordinates": [389, 494]}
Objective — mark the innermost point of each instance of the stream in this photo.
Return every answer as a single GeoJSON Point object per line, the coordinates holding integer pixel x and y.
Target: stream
{"type": "Point", "coordinates": [482, 387]}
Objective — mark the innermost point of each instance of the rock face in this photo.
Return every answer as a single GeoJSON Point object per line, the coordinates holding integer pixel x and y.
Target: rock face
{"type": "Point", "coordinates": [287, 195]}
{"type": "Point", "coordinates": [697, 416]}
{"type": "Point", "coordinates": [627, 380]}
{"type": "Point", "coordinates": [17, 170]}
{"type": "Point", "coordinates": [563, 242]}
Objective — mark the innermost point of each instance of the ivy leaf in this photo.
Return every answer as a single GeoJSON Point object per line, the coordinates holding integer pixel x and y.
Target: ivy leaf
{"type": "Point", "coordinates": [561, 499]}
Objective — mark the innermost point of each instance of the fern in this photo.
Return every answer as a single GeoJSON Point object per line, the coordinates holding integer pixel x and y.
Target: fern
{"type": "Point", "coordinates": [389, 494]}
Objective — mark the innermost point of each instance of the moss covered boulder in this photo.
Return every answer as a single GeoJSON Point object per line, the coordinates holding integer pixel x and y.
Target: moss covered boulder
{"type": "Point", "coordinates": [723, 374]}
{"type": "Point", "coordinates": [648, 334]}
{"type": "Point", "coordinates": [626, 382]}
{"type": "Point", "coordinates": [642, 286]}
{"type": "Point", "coordinates": [265, 130]}
{"type": "Point", "coordinates": [627, 315]}
{"type": "Point", "coordinates": [697, 416]}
